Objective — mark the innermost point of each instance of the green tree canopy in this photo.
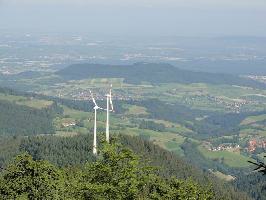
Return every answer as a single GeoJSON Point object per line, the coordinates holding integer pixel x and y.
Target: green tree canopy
{"type": "Point", "coordinates": [29, 179]}
{"type": "Point", "coordinates": [116, 174]}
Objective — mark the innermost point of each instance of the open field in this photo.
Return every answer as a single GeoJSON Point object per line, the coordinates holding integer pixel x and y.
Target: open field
{"type": "Point", "coordinates": [174, 146]}
{"type": "Point", "coordinates": [253, 119]}
{"type": "Point", "coordinates": [165, 140]}
{"type": "Point", "coordinates": [30, 102]}
{"type": "Point", "coordinates": [251, 132]}
{"type": "Point", "coordinates": [206, 97]}
{"type": "Point", "coordinates": [135, 110]}
{"type": "Point", "coordinates": [222, 176]}
{"type": "Point", "coordinates": [203, 96]}
{"type": "Point", "coordinates": [262, 156]}
{"type": "Point", "coordinates": [232, 159]}
{"type": "Point", "coordinates": [35, 103]}
{"type": "Point", "coordinates": [210, 97]}
{"type": "Point", "coordinates": [76, 113]}
{"type": "Point", "coordinates": [169, 139]}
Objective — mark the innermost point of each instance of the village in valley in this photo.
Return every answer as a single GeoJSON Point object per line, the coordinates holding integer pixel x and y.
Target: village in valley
{"type": "Point", "coordinates": [251, 146]}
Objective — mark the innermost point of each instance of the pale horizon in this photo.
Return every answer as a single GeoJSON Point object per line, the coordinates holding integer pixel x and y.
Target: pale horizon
{"type": "Point", "coordinates": [136, 18]}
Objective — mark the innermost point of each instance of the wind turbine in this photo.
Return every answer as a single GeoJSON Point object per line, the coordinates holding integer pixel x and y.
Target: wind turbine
{"type": "Point", "coordinates": [96, 107]}
{"type": "Point", "coordinates": [108, 103]}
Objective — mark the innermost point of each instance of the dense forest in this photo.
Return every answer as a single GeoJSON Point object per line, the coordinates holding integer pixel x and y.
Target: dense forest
{"type": "Point", "coordinates": [254, 184]}
{"type": "Point", "coordinates": [152, 73]}
{"type": "Point", "coordinates": [76, 151]}
{"type": "Point", "coordinates": [23, 120]}
{"type": "Point", "coordinates": [116, 174]}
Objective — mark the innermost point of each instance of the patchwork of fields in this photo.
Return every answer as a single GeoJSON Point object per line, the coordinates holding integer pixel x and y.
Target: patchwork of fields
{"type": "Point", "coordinates": [202, 98]}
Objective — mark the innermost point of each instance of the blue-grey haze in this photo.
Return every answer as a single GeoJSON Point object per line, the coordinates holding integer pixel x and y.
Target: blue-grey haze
{"type": "Point", "coordinates": [128, 17]}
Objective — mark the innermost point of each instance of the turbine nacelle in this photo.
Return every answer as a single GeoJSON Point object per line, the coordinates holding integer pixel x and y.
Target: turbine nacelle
{"type": "Point", "coordinates": [98, 108]}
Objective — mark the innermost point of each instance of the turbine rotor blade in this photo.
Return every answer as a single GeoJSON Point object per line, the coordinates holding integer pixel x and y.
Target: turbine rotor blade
{"type": "Point", "coordinates": [93, 99]}
{"type": "Point", "coordinates": [111, 102]}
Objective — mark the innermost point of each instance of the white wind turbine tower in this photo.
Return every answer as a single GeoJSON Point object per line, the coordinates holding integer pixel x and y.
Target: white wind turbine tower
{"type": "Point", "coordinates": [109, 102]}
{"type": "Point", "coordinates": [96, 107]}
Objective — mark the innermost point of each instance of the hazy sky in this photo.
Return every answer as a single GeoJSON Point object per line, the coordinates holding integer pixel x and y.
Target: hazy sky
{"type": "Point", "coordinates": [136, 17]}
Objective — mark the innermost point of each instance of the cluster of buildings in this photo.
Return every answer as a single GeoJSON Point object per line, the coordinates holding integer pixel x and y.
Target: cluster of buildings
{"type": "Point", "coordinates": [85, 95]}
{"type": "Point", "coordinates": [256, 143]}
{"type": "Point", "coordinates": [232, 105]}
{"type": "Point", "coordinates": [68, 124]}
{"type": "Point", "coordinates": [12, 65]}
{"type": "Point", "coordinates": [258, 78]}
{"type": "Point", "coordinates": [222, 147]}
{"type": "Point", "coordinates": [226, 147]}
{"type": "Point", "coordinates": [252, 145]}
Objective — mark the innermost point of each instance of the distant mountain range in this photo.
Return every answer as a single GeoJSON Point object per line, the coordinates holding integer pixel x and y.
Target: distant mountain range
{"type": "Point", "coordinates": [239, 67]}
{"type": "Point", "coordinates": [154, 73]}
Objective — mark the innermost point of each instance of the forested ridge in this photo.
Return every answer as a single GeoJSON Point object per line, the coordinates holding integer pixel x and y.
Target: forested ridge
{"type": "Point", "coordinates": [117, 173]}
{"type": "Point", "coordinates": [74, 152]}
{"type": "Point", "coordinates": [23, 120]}
{"type": "Point", "coordinates": [151, 72]}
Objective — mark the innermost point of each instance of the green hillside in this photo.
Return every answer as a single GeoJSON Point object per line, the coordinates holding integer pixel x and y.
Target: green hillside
{"type": "Point", "coordinates": [175, 129]}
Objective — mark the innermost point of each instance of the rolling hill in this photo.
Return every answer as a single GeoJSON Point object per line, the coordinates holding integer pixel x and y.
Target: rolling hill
{"type": "Point", "coordinates": [153, 73]}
